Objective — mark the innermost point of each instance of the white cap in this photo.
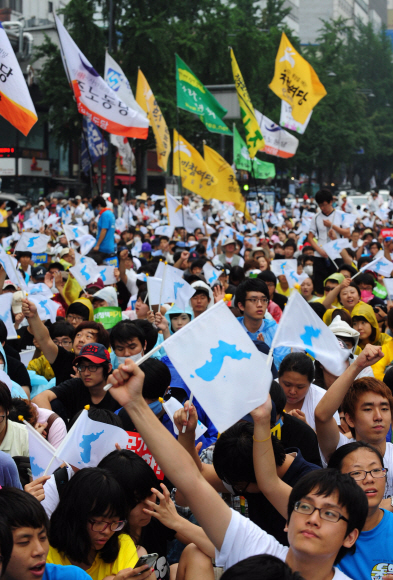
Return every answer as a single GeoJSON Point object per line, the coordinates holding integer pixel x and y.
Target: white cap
{"type": "Point", "coordinates": [342, 329]}
{"type": "Point", "coordinates": [108, 294]}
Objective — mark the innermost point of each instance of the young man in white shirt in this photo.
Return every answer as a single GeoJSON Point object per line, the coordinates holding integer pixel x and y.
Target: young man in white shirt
{"type": "Point", "coordinates": [316, 543]}
{"type": "Point", "coordinates": [325, 227]}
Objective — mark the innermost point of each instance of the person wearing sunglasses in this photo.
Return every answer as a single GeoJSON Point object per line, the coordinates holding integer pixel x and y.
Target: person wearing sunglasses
{"type": "Point", "coordinates": [87, 527]}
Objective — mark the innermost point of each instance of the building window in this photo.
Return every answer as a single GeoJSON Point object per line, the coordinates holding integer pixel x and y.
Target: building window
{"type": "Point", "coordinates": [16, 5]}
{"type": "Point", "coordinates": [50, 7]}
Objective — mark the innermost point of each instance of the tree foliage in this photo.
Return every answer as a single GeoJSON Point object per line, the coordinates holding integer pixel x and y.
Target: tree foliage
{"type": "Point", "coordinates": [352, 63]}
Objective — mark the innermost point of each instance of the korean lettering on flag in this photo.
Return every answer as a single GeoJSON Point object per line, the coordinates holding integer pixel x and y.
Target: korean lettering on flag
{"type": "Point", "coordinates": [34, 243]}
{"type": "Point", "coordinates": [301, 328]}
{"type": "Point", "coordinates": [278, 267]}
{"type": "Point", "coordinates": [107, 275]}
{"type": "Point", "coordinates": [95, 99]}
{"type": "Point", "coordinates": [96, 143]}
{"type": "Point", "coordinates": [5, 314]}
{"type": "Point", "coordinates": [214, 355]}
{"type": "Point", "coordinates": [89, 441]}
{"type": "Point", "coordinates": [335, 247]}
{"type": "Point", "coordinates": [84, 273]}
{"type": "Point", "coordinates": [138, 446]}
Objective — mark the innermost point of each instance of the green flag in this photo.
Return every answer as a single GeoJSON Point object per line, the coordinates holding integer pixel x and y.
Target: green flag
{"type": "Point", "coordinates": [194, 97]}
{"type": "Point", "coordinates": [241, 159]}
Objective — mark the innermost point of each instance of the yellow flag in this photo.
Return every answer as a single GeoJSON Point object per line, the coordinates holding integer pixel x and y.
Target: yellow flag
{"type": "Point", "coordinates": [295, 81]}
{"type": "Point", "coordinates": [146, 99]}
{"type": "Point", "coordinates": [227, 187]}
{"type": "Point", "coordinates": [254, 137]}
{"type": "Point", "coordinates": [191, 167]}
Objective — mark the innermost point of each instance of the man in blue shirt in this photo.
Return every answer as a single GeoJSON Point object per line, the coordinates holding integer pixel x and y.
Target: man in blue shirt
{"type": "Point", "coordinates": [105, 245]}
{"type": "Point", "coordinates": [252, 299]}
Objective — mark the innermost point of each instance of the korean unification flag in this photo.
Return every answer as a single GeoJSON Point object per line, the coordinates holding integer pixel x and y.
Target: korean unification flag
{"type": "Point", "coordinates": [39, 289]}
{"type": "Point", "coordinates": [278, 267]}
{"type": "Point", "coordinates": [301, 328]}
{"type": "Point", "coordinates": [347, 219]}
{"type": "Point", "coordinates": [75, 232]}
{"type": "Point", "coordinates": [183, 292]}
{"type": "Point", "coordinates": [170, 271]}
{"type": "Point", "coordinates": [51, 220]}
{"type": "Point", "coordinates": [171, 406]}
{"type": "Point", "coordinates": [120, 224]}
{"type": "Point", "coordinates": [165, 231]}
{"type": "Point", "coordinates": [380, 266]}
{"type": "Point", "coordinates": [388, 283]}
{"type": "Point", "coordinates": [34, 243]}
{"type": "Point", "coordinates": [42, 454]}
{"type": "Point", "coordinates": [89, 441]}
{"type": "Point", "coordinates": [85, 273]}
{"type": "Point", "coordinates": [294, 278]}
{"type": "Point", "coordinates": [221, 365]}
{"type": "Point", "coordinates": [5, 314]}
{"type": "Point", "coordinates": [31, 224]}
{"type": "Point", "coordinates": [154, 291]}
{"type": "Point", "coordinates": [107, 274]}
{"type": "Point", "coordinates": [10, 266]}
{"type": "Point", "coordinates": [211, 273]}
{"type": "Point", "coordinates": [47, 308]}
{"type": "Point", "coordinates": [86, 243]}
{"type": "Point", "coordinates": [335, 247]}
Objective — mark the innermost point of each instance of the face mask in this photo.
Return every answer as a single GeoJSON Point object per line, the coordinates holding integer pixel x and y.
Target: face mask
{"type": "Point", "coordinates": [308, 270]}
{"type": "Point", "coordinates": [1, 366]}
{"type": "Point", "coordinates": [366, 295]}
{"type": "Point", "coordinates": [134, 357]}
{"type": "Point", "coordinates": [156, 407]}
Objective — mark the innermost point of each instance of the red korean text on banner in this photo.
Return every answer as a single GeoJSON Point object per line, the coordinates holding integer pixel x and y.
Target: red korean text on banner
{"type": "Point", "coordinates": [387, 232]}
{"type": "Point", "coordinates": [138, 446]}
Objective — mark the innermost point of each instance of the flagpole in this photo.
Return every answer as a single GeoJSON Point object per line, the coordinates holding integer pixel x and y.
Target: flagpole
{"type": "Point", "coordinates": [162, 285]}
{"type": "Point", "coordinates": [90, 159]}
{"type": "Point", "coordinates": [180, 182]}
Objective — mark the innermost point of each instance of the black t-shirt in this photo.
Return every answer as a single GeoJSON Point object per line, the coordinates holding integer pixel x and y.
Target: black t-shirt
{"type": "Point", "coordinates": [10, 351]}
{"type": "Point", "coordinates": [74, 396]}
{"type": "Point", "coordinates": [154, 539]}
{"type": "Point", "coordinates": [296, 433]}
{"type": "Point", "coordinates": [261, 511]}
{"type": "Point", "coordinates": [25, 340]}
{"type": "Point", "coordinates": [280, 300]}
{"type": "Point", "coordinates": [18, 372]}
{"type": "Point", "coordinates": [63, 365]}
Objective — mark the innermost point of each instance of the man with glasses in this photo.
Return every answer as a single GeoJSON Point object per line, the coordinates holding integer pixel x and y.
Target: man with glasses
{"type": "Point", "coordinates": [93, 367]}
{"type": "Point", "coordinates": [14, 439]}
{"type": "Point", "coordinates": [61, 334]}
{"type": "Point", "coordinates": [252, 299]}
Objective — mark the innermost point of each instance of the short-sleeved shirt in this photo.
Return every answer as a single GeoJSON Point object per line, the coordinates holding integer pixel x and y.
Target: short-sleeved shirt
{"type": "Point", "coordinates": [244, 539]}
{"type": "Point", "coordinates": [154, 538]}
{"type": "Point", "coordinates": [63, 365]}
{"type": "Point", "coordinates": [75, 396]}
{"type": "Point", "coordinates": [16, 440]}
{"type": "Point", "coordinates": [318, 228]}
{"type": "Point", "coordinates": [56, 572]}
{"type": "Point", "coordinates": [18, 372]}
{"type": "Point", "coordinates": [9, 476]}
{"type": "Point", "coordinates": [310, 402]}
{"type": "Point", "coordinates": [107, 222]}
{"type": "Point", "coordinates": [127, 558]}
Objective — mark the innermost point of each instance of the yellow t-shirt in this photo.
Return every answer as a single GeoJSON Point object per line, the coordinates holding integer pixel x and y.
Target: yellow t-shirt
{"type": "Point", "coordinates": [4, 223]}
{"type": "Point", "coordinates": [127, 558]}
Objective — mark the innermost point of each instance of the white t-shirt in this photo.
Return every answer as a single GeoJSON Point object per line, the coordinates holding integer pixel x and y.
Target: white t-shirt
{"type": "Point", "coordinates": [310, 401]}
{"type": "Point", "coordinates": [52, 498]}
{"type": "Point", "coordinates": [244, 539]}
{"type": "Point", "coordinates": [318, 228]}
{"type": "Point", "coordinates": [387, 461]}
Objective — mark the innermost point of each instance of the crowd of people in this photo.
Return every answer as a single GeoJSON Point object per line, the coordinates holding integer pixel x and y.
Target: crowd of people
{"type": "Point", "coordinates": [300, 488]}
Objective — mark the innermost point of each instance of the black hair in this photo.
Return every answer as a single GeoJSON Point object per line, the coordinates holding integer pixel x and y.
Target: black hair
{"type": "Point", "coordinates": [24, 254]}
{"type": "Point", "coordinates": [232, 455]}
{"type": "Point", "coordinates": [297, 362]}
{"type": "Point", "coordinates": [326, 482]}
{"type": "Point", "coordinates": [22, 407]}
{"type": "Point", "coordinates": [199, 263]}
{"type": "Point", "coordinates": [260, 567]}
{"type": "Point", "coordinates": [98, 200]}
{"type": "Point", "coordinates": [365, 278]}
{"type": "Point", "coordinates": [267, 276]}
{"type": "Point", "coordinates": [348, 268]}
{"type": "Point", "coordinates": [134, 475]}
{"type": "Point", "coordinates": [323, 195]}
{"type": "Point", "coordinates": [99, 415]}
{"type": "Point", "coordinates": [157, 378]}
{"type": "Point", "coordinates": [6, 544]}
{"type": "Point", "coordinates": [250, 285]}
{"type": "Point", "coordinates": [21, 510]}
{"type": "Point", "coordinates": [92, 491]}
{"type": "Point", "coordinates": [338, 456]}
{"type": "Point", "coordinates": [278, 397]}
{"type": "Point", "coordinates": [5, 397]}
{"type": "Point", "coordinates": [142, 292]}
{"type": "Point", "coordinates": [318, 308]}
{"type": "Point", "coordinates": [375, 243]}
{"type": "Point", "coordinates": [236, 275]}
{"type": "Point", "coordinates": [201, 250]}
{"type": "Point", "coordinates": [364, 260]}
{"type": "Point", "coordinates": [124, 331]}
{"type": "Point", "coordinates": [149, 331]}
{"type": "Point", "coordinates": [61, 329]}
{"type": "Point", "coordinates": [290, 244]}
{"type": "Point", "coordinates": [3, 332]}
{"type": "Point", "coordinates": [102, 336]}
